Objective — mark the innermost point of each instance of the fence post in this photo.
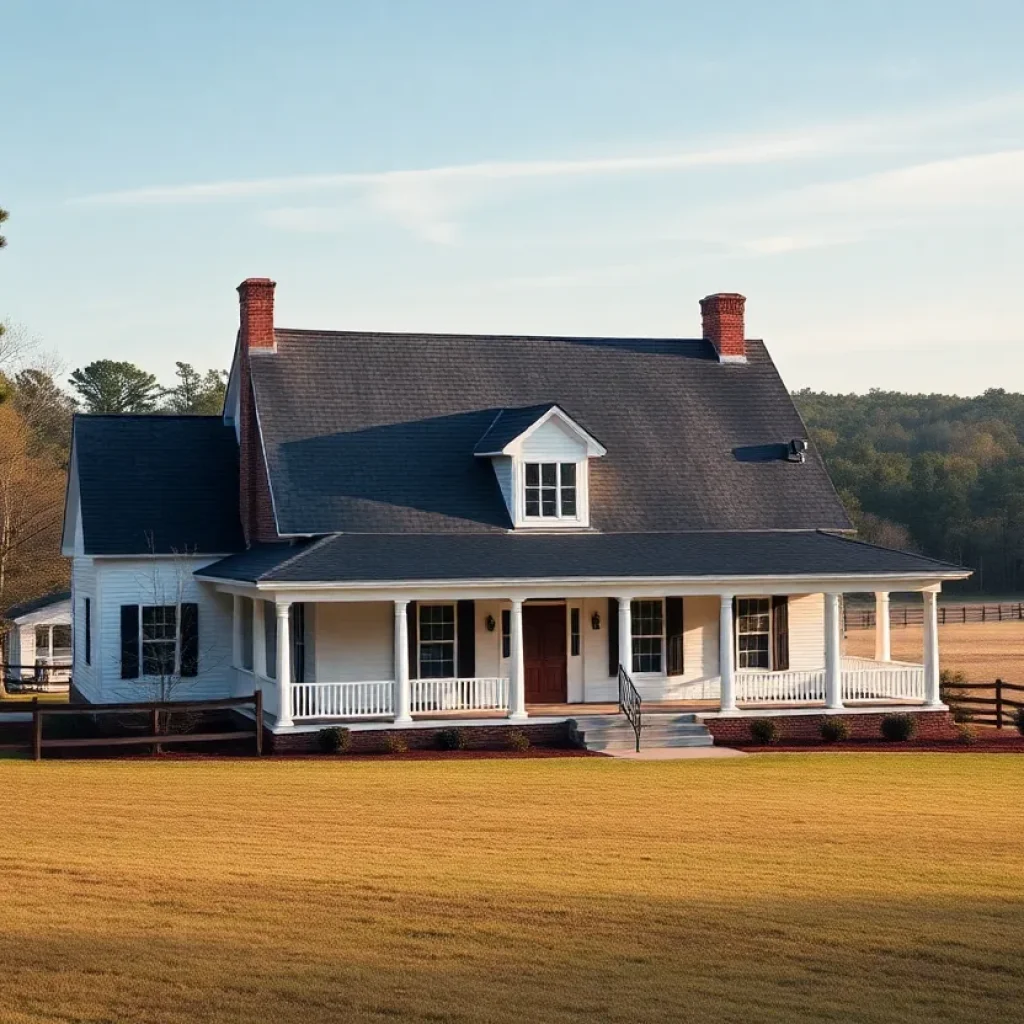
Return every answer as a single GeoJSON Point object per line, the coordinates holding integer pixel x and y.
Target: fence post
{"type": "Point", "coordinates": [943, 616]}
{"type": "Point", "coordinates": [999, 703]}
{"type": "Point", "coordinates": [964, 610]}
{"type": "Point", "coordinates": [156, 730]}
{"type": "Point", "coordinates": [983, 609]}
{"type": "Point", "coordinates": [1000, 607]}
{"type": "Point", "coordinates": [258, 698]}
{"type": "Point", "coordinates": [37, 730]}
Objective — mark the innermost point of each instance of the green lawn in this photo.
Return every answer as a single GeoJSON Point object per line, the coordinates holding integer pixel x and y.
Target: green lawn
{"type": "Point", "coordinates": [833, 887]}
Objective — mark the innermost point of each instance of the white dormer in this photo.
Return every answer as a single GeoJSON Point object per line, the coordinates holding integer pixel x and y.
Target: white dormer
{"type": "Point", "coordinates": [541, 458]}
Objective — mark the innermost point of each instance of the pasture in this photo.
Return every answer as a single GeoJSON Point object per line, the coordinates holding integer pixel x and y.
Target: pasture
{"type": "Point", "coordinates": [983, 651]}
{"type": "Point", "coordinates": [854, 887]}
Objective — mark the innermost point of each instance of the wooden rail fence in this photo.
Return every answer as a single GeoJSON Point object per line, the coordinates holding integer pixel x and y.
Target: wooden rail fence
{"type": "Point", "coordinates": [997, 710]}
{"type": "Point", "coordinates": [949, 614]}
{"type": "Point", "coordinates": [154, 738]}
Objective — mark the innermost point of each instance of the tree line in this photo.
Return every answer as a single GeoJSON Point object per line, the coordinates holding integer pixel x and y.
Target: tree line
{"type": "Point", "coordinates": [939, 474]}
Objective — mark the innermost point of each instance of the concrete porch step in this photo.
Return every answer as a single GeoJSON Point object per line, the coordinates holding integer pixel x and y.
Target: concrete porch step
{"type": "Point", "coordinates": [613, 732]}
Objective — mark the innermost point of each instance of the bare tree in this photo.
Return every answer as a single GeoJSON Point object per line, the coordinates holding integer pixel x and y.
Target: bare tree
{"type": "Point", "coordinates": [172, 648]}
{"type": "Point", "coordinates": [31, 512]}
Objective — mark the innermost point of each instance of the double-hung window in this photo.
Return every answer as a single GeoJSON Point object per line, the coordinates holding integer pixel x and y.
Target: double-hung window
{"type": "Point", "coordinates": [437, 641]}
{"type": "Point", "coordinates": [754, 632]}
{"type": "Point", "coordinates": [550, 490]}
{"type": "Point", "coordinates": [159, 639]}
{"type": "Point", "coordinates": [648, 625]}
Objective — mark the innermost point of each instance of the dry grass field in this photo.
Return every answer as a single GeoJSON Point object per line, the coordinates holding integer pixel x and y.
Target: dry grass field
{"type": "Point", "coordinates": [984, 651]}
{"type": "Point", "coordinates": [836, 887]}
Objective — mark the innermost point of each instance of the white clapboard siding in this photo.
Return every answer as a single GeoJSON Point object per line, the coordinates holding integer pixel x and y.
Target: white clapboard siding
{"type": "Point", "coordinates": [153, 581]}
{"type": "Point", "coordinates": [83, 585]}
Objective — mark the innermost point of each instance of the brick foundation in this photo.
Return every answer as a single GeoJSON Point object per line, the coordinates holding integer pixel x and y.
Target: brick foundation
{"type": "Point", "coordinates": [374, 741]}
{"type": "Point", "coordinates": [931, 725]}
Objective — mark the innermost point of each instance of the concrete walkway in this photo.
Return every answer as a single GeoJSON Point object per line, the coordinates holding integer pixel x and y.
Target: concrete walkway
{"type": "Point", "coordinates": [675, 753]}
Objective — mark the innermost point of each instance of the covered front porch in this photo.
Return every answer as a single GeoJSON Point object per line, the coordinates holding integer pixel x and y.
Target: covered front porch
{"type": "Point", "coordinates": [427, 658]}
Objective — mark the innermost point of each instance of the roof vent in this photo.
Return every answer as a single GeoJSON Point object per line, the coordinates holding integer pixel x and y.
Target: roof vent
{"type": "Point", "coordinates": [797, 450]}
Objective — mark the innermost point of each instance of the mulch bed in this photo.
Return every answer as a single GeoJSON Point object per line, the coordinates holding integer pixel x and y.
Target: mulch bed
{"type": "Point", "coordinates": [989, 741]}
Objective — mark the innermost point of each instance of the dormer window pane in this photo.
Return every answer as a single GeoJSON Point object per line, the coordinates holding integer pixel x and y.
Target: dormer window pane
{"type": "Point", "coordinates": [550, 490]}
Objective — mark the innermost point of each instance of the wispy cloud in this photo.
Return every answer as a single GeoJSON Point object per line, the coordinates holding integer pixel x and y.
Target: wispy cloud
{"type": "Point", "coordinates": [431, 202]}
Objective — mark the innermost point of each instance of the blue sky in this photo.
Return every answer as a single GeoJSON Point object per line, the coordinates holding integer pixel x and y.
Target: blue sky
{"type": "Point", "coordinates": [540, 167]}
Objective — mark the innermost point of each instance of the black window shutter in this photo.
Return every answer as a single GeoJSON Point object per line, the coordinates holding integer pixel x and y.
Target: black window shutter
{"type": "Point", "coordinates": [780, 633]}
{"type": "Point", "coordinates": [88, 631]}
{"type": "Point", "coordinates": [411, 623]}
{"type": "Point", "coordinates": [674, 634]}
{"type": "Point", "coordinates": [129, 641]}
{"type": "Point", "coordinates": [613, 636]}
{"type": "Point", "coordinates": [465, 632]}
{"type": "Point", "coordinates": [189, 639]}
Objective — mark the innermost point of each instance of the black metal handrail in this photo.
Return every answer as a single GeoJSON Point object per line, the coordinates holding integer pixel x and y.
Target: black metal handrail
{"type": "Point", "coordinates": [630, 704]}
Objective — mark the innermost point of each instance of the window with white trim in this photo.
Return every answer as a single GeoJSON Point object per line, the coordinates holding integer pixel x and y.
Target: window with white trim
{"type": "Point", "coordinates": [436, 641]}
{"type": "Point", "coordinates": [754, 632]}
{"type": "Point", "coordinates": [550, 490]}
{"type": "Point", "coordinates": [648, 627]}
{"type": "Point", "coordinates": [159, 639]}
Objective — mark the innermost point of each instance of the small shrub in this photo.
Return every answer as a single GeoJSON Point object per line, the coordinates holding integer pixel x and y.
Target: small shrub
{"type": "Point", "coordinates": [395, 743]}
{"type": "Point", "coordinates": [335, 740]}
{"type": "Point", "coordinates": [1018, 720]}
{"type": "Point", "coordinates": [834, 729]}
{"type": "Point", "coordinates": [764, 730]}
{"type": "Point", "coordinates": [898, 728]}
{"type": "Point", "coordinates": [947, 677]}
{"type": "Point", "coordinates": [518, 741]}
{"type": "Point", "coordinates": [452, 739]}
{"type": "Point", "coordinates": [960, 712]}
{"type": "Point", "coordinates": [966, 734]}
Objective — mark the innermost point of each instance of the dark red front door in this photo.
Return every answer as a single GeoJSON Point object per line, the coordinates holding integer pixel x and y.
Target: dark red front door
{"type": "Point", "coordinates": [544, 653]}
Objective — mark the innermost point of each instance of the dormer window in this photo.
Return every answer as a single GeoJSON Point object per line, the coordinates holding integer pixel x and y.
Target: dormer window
{"type": "Point", "coordinates": [541, 459]}
{"type": "Point", "coordinates": [550, 490]}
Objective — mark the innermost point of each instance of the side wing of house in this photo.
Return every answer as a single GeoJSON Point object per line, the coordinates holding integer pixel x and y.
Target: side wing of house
{"type": "Point", "coordinates": [143, 628]}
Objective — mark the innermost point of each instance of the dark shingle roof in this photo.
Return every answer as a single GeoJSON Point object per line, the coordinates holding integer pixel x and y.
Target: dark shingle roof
{"type": "Point", "coordinates": [16, 611]}
{"type": "Point", "coordinates": [352, 558]}
{"type": "Point", "coordinates": [375, 433]}
{"type": "Point", "coordinates": [157, 484]}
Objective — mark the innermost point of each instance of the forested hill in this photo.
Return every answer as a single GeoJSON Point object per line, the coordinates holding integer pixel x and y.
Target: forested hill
{"type": "Point", "coordinates": [938, 473]}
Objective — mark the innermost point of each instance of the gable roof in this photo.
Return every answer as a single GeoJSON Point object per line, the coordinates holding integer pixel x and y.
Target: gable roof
{"type": "Point", "coordinates": [17, 611]}
{"type": "Point", "coordinates": [375, 433]}
{"type": "Point", "coordinates": [354, 559]}
{"type": "Point", "coordinates": [511, 424]}
{"type": "Point", "coordinates": [157, 484]}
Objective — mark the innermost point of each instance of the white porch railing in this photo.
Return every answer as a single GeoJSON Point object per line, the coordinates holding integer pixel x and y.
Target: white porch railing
{"type": "Point", "coordinates": [478, 694]}
{"type": "Point", "coordinates": [896, 681]}
{"type": "Point", "coordinates": [861, 679]}
{"type": "Point", "coordinates": [780, 687]}
{"type": "Point", "coordinates": [373, 699]}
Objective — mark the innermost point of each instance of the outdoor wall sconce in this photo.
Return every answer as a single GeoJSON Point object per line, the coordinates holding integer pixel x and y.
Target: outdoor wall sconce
{"type": "Point", "coordinates": [490, 623]}
{"type": "Point", "coordinates": [595, 621]}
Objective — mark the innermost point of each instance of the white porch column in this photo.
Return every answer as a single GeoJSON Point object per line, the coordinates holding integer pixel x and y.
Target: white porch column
{"type": "Point", "coordinates": [726, 655]}
{"type": "Point", "coordinates": [833, 653]}
{"type": "Point", "coordinates": [883, 633]}
{"type": "Point", "coordinates": [626, 634]}
{"type": "Point", "coordinates": [403, 689]}
{"type": "Point", "coordinates": [236, 631]}
{"type": "Point", "coordinates": [259, 639]}
{"type": "Point", "coordinates": [932, 696]}
{"type": "Point", "coordinates": [517, 666]}
{"type": "Point", "coordinates": [284, 664]}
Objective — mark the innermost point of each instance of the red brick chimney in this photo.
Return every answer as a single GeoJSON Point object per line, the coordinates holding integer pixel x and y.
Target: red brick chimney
{"type": "Point", "coordinates": [723, 325]}
{"type": "Point", "coordinates": [256, 307]}
{"type": "Point", "coordinates": [255, 334]}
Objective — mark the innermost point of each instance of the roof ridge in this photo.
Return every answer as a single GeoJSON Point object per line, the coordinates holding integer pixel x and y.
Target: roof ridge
{"type": "Point", "coordinates": [484, 336]}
